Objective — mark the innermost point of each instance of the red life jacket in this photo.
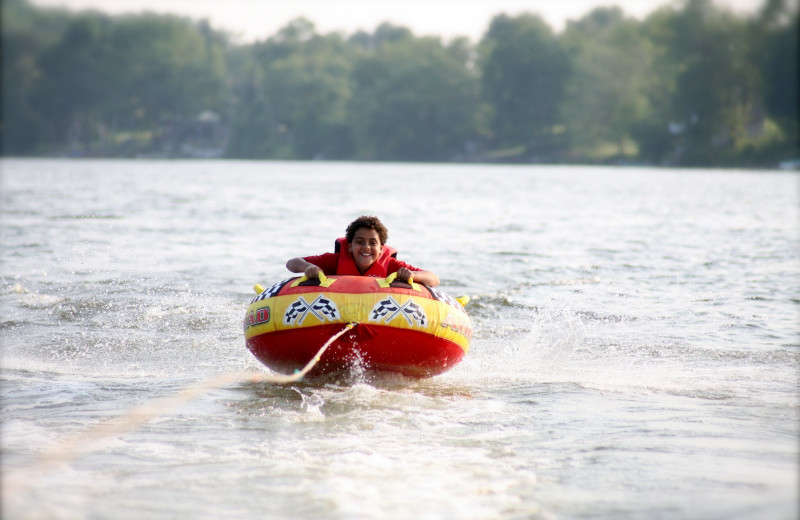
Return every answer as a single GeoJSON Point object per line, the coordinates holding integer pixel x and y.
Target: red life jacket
{"type": "Point", "coordinates": [346, 264]}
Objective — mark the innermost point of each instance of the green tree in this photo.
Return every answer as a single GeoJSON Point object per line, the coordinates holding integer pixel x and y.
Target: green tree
{"type": "Point", "coordinates": [252, 122]}
{"type": "Point", "coordinates": [385, 33]}
{"type": "Point", "coordinates": [716, 85]}
{"type": "Point", "coordinates": [256, 129]}
{"type": "Point", "coordinates": [142, 72]}
{"type": "Point", "coordinates": [524, 69]}
{"type": "Point", "coordinates": [164, 67]}
{"type": "Point", "coordinates": [309, 91]}
{"type": "Point", "coordinates": [692, 84]}
{"type": "Point", "coordinates": [294, 103]}
{"type": "Point", "coordinates": [605, 95]}
{"type": "Point", "coordinates": [74, 83]}
{"type": "Point", "coordinates": [26, 32]}
{"type": "Point", "coordinates": [779, 46]}
{"type": "Point", "coordinates": [413, 99]}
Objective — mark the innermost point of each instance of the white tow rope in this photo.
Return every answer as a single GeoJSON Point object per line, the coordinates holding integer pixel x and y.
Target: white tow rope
{"type": "Point", "coordinates": [17, 480]}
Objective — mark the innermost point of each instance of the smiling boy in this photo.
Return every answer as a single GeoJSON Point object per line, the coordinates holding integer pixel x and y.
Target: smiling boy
{"type": "Point", "coordinates": [362, 252]}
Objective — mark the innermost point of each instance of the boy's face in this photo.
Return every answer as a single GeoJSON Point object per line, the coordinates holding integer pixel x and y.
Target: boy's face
{"type": "Point", "coordinates": [365, 248]}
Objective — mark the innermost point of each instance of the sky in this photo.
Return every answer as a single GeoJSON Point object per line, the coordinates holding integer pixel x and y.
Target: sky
{"type": "Point", "coordinates": [251, 20]}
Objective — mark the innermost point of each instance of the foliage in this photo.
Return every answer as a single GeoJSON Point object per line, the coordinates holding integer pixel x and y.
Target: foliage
{"type": "Point", "coordinates": [300, 93]}
{"type": "Point", "coordinates": [612, 63]}
{"type": "Point", "coordinates": [413, 99]}
{"type": "Point", "coordinates": [717, 86]}
{"type": "Point", "coordinates": [26, 34]}
{"type": "Point", "coordinates": [691, 84]}
{"type": "Point", "coordinates": [524, 69]}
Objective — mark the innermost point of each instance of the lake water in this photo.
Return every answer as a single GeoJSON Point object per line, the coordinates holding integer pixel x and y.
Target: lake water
{"type": "Point", "coordinates": [635, 352]}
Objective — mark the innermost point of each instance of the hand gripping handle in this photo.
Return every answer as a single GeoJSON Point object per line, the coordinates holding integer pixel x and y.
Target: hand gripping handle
{"type": "Point", "coordinates": [387, 282]}
{"type": "Point", "coordinates": [324, 281]}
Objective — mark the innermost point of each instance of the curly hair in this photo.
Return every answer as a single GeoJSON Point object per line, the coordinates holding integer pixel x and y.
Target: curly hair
{"type": "Point", "coordinates": [366, 221]}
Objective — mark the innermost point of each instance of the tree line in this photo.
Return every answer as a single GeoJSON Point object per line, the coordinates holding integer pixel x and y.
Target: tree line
{"type": "Point", "coordinates": [689, 85]}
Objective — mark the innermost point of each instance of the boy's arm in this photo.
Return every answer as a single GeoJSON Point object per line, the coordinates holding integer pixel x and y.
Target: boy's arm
{"type": "Point", "coordinates": [300, 265]}
{"type": "Point", "coordinates": [425, 277]}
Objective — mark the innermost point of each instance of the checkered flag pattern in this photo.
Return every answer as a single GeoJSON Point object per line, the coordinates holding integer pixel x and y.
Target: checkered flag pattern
{"type": "Point", "coordinates": [415, 312]}
{"type": "Point", "coordinates": [298, 308]}
{"type": "Point", "coordinates": [326, 307]}
{"type": "Point", "coordinates": [384, 307]}
{"type": "Point", "coordinates": [390, 309]}
{"type": "Point", "coordinates": [272, 291]}
{"type": "Point", "coordinates": [444, 297]}
{"type": "Point", "coordinates": [323, 308]}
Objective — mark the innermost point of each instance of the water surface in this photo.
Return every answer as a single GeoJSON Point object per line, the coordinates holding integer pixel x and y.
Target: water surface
{"type": "Point", "coordinates": [635, 350]}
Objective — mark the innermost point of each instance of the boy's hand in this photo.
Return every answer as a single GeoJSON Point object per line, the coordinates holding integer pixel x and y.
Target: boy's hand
{"type": "Point", "coordinates": [312, 271]}
{"type": "Point", "coordinates": [404, 274]}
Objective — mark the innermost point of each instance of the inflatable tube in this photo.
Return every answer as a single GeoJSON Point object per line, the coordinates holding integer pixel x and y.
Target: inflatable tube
{"type": "Point", "coordinates": [409, 329]}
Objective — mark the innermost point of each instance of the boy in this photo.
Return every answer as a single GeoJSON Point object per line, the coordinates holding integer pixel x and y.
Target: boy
{"type": "Point", "coordinates": [363, 252]}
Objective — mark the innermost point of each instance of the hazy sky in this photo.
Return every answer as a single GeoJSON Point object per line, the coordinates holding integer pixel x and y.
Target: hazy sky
{"type": "Point", "coordinates": [258, 19]}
